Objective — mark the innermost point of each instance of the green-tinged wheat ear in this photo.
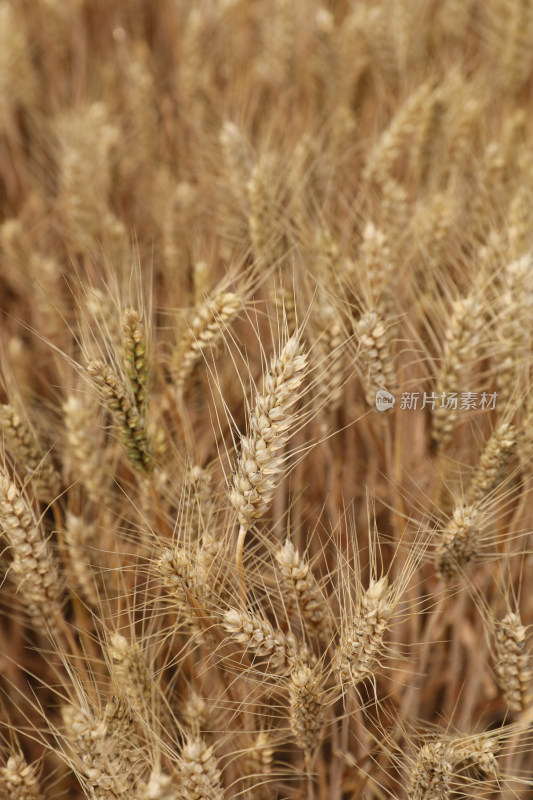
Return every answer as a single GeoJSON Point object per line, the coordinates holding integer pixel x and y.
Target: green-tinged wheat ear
{"type": "Point", "coordinates": [200, 776]}
{"type": "Point", "coordinates": [513, 667]}
{"type": "Point", "coordinates": [362, 639]}
{"type": "Point", "coordinates": [22, 446]}
{"type": "Point", "coordinates": [135, 356]}
{"type": "Point", "coordinates": [20, 779]}
{"type": "Point", "coordinates": [119, 401]}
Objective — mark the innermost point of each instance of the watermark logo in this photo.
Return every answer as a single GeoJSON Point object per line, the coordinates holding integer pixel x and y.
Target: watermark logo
{"type": "Point", "coordinates": [384, 400]}
{"type": "Point", "coordinates": [448, 401]}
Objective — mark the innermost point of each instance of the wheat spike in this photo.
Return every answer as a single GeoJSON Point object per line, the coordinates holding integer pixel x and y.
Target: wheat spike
{"type": "Point", "coordinates": [462, 338]}
{"type": "Point", "coordinates": [160, 787]}
{"type": "Point", "coordinates": [130, 673]}
{"type": "Point", "coordinates": [361, 641]}
{"type": "Point", "coordinates": [377, 367]}
{"type": "Point", "coordinates": [20, 779]}
{"type": "Point", "coordinates": [78, 535]}
{"type": "Point", "coordinates": [479, 752]}
{"type": "Point", "coordinates": [459, 541]}
{"type": "Point", "coordinates": [300, 587]}
{"type": "Point", "coordinates": [23, 448]}
{"type": "Point", "coordinates": [85, 458]}
{"type": "Point", "coordinates": [306, 708]}
{"type": "Point", "coordinates": [135, 348]}
{"type": "Point", "coordinates": [199, 773]}
{"type": "Point", "coordinates": [32, 564]}
{"type": "Point", "coordinates": [513, 667]}
{"type": "Point", "coordinates": [204, 332]}
{"type": "Point", "coordinates": [121, 404]}
{"type": "Point", "coordinates": [432, 772]}
{"type": "Point", "coordinates": [493, 462]}
{"type": "Point", "coordinates": [271, 424]}
{"type": "Point", "coordinates": [261, 638]}
{"type": "Point", "coordinates": [256, 767]}
{"type": "Point", "coordinates": [102, 750]}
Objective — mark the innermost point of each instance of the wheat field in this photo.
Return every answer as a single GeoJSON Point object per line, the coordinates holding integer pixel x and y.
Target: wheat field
{"type": "Point", "coordinates": [266, 465]}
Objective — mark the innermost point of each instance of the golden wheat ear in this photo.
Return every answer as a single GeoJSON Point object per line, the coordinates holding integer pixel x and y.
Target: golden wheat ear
{"type": "Point", "coordinates": [271, 423]}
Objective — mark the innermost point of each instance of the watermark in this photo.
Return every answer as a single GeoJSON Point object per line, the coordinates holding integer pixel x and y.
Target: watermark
{"type": "Point", "coordinates": [384, 400]}
{"type": "Point", "coordinates": [449, 401]}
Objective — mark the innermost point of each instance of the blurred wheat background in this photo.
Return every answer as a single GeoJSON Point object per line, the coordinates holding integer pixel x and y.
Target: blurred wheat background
{"type": "Point", "coordinates": [225, 572]}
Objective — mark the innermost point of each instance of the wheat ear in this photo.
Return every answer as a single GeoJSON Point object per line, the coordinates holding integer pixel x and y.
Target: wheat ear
{"type": "Point", "coordinates": [32, 563]}
{"type": "Point", "coordinates": [261, 638]}
{"type": "Point", "coordinates": [479, 752]}
{"type": "Point", "coordinates": [101, 749]}
{"type": "Point", "coordinates": [513, 668]}
{"type": "Point", "coordinates": [432, 772]}
{"type": "Point", "coordinates": [298, 585]}
{"type": "Point", "coordinates": [459, 541]}
{"type": "Point", "coordinates": [130, 673]}
{"type": "Point", "coordinates": [199, 773]}
{"type": "Point", "coordinates": [461, 343]}
{"type": "Point", "coordinates": [361, 641]}
{"type": "Point", "coordinates": [306, 708]}
{"type": "Point", "coordinates": [491, 468]}
{"type": "Point", "coordinates": [20, 443]}
{"type": "Point", "coordinates": [377, 364]}
{"type": "Point", "coordinates": [135, 349]}
{"type": "Point", "coordinates": [271, 424]}
{"type": "Point", "coordinates": [20, 779]}
{"type": "Point", "coordinates": [257, 767]}
{"type": "Point", "coordinates": [119, 401]}
{"type": "Point", "coordinates": [204, 332]}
